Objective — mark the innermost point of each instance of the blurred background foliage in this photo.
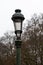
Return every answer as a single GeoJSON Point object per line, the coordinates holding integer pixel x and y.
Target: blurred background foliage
{"type": "Point", "coordinates": [32, 44]}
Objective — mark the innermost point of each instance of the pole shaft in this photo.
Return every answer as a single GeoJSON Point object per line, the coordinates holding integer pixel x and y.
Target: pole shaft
{"type": "Point", "coordinates": [18, 56]}
{"type": "Point", "coordinates": [18, 52]}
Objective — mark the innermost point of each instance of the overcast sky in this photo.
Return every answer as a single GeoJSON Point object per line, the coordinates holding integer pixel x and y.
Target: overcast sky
{"type": "Point", "coordinates": [7, 8]}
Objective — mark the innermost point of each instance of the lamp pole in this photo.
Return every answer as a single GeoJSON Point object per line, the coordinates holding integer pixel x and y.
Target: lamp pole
{"type": "Point", "coordinates": [18, 52]}
{"type": "Point", "coordinates": [18, 20]}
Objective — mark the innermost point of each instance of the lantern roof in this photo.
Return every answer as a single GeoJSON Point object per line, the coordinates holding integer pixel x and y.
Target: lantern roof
{"type": "Point", "coordinates": [18, 15]}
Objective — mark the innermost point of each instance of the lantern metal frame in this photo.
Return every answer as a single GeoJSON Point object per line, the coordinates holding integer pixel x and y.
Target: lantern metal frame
{"type": "Point", "coordinates": [16, 17]}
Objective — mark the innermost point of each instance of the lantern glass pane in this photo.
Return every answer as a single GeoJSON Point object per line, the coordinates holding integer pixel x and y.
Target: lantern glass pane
{"type": "Point", "coordinates": [18, 34]}
{"type": "Point", "coordinates": [17, 25]}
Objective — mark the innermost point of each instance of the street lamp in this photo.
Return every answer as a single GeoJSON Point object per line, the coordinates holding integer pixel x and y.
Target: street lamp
{"type": "Point", "coordinates": [18, 20]}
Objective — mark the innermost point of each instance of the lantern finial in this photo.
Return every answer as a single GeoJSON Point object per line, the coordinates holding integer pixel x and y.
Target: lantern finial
{"type": "Point", "coordinates": [17, 10]}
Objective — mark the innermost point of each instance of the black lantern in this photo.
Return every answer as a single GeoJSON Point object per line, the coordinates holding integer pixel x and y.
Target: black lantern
{"type": "Point", "coordinates": [17, 20]}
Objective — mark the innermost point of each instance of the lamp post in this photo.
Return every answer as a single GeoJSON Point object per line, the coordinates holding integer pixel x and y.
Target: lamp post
{"type": "Point", "coordinates": [18, 20]}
